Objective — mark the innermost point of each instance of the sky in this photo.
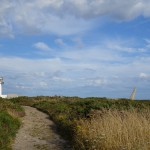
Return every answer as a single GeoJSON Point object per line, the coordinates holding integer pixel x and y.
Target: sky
{"type": "Point", "coordinates": [86, 48]}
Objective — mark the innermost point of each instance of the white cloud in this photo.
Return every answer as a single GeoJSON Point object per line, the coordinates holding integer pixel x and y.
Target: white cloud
{"type": "Point", "coordinates": [42, 46]}
{"type": "Point", "coordinates": [79, 43]}
{"type": "Point", "coordinates": [64, 17]}
{"type": "Point", "coordinates": [60, 42]}
{"type": "Point", "coordinates": [148, 43]}
{"type": "Point", "coordinates": [39, 74]}
{"type": "Point", "coordinates": [88, 9]}
{"type": "Point", "coordinates": [61, 79]}
{"type": "Point", "coordinates": [144, 75]}
{"type": "Point", "coordinates": [46, 75]}
{"type": "Point", "coordinates": [23, 87]}
{"type": "Point", "coordinates": [91, 54]}
{"type": "Point", "coordinates": [97, 82]}
{"type": "Point", "coordinates": [110, 51]}
{"type": "Point", "coordinates": [121, 45]}
{"type": "Point", "coordinates": [30, 65]}
{"type": "Point", "coordinates": [43, 84]}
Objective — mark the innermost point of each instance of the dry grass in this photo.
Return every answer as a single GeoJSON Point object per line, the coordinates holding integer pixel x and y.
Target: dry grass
{"type": "Point", "coordinates": [115, 130]}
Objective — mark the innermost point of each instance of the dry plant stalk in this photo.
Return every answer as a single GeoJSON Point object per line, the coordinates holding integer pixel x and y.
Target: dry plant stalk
{"type": "Point", "coordinates": [115, 130]}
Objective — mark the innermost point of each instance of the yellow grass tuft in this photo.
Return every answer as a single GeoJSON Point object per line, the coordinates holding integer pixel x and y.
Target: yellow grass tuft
{"type": "Point", "coordinates": [115, 130]}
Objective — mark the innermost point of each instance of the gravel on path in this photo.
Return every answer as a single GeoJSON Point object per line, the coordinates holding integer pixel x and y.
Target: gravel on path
{"type": "Point", "coordinates": [38, 132]}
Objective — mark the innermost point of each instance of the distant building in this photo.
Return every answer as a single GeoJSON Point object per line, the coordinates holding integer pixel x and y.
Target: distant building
{"type": "Point", "coordinates": [12, 95]}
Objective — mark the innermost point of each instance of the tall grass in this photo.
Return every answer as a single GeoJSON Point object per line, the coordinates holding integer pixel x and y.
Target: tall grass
{"type": "Point", "coordinates": [115, 130]}
{"type": "Point", "coordinates": [9, 122]}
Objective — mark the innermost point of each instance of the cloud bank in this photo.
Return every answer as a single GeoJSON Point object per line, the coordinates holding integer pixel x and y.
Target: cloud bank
{"type": "Point", "coordinates": [80, 71]}
{"type": "Point", "coordinates": [64, 17]}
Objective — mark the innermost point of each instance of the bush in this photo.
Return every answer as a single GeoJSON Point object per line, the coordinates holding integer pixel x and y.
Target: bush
{"type": "Point", "coordinates": [8, 129]}
{"type": "Point", "coordinates": [9, 122]}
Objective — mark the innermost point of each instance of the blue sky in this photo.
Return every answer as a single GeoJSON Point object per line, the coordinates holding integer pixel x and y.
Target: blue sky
{"type": "Point", "coordinates": [75, 48]}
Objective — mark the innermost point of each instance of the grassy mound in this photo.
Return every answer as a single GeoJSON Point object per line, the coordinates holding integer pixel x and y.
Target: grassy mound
{"type": "Point", "coordinates": [9, 122]}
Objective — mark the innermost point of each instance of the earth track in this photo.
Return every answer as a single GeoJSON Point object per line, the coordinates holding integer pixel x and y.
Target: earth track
{"type": "Point", "coordinates": [38, 132]}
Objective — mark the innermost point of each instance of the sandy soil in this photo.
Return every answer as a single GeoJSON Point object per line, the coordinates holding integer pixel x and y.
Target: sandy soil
{"type": "Point", "coordinates": [38, 132]}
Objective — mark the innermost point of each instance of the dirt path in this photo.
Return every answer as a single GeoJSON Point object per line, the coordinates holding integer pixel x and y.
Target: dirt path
{"type": "Point", "coordinates": [37, 133]}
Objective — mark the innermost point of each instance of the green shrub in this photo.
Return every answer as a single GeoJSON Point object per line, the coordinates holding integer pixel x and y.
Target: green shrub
{"type": "Point", "coordinates": [9, 122]}
{"type": "Point", "coordinates": [8, 129]}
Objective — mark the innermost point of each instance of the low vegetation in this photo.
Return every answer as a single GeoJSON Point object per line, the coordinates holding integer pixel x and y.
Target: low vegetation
{"type": "Point", "coordinates": [98, 123]}
{"type": "Point", "coordinates": [9, 122]}
{"type": "Point", "coordinates": [115, 130]}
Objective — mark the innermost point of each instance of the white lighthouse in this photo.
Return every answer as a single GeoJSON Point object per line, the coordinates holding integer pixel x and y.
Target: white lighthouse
{"type": "Point", "coordinates": [1, 83]}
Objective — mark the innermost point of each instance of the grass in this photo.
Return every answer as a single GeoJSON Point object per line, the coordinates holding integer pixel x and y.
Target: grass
{"type": "Point", "coordinates": [97, 123]}
{"type": "Point", "coordinates": [114, 130]}
{"type": "Point", "coordinates": [9, 122]}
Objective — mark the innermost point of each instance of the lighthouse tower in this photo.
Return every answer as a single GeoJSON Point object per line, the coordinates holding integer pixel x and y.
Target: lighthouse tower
{"type": "Point", "coordinates": [1, 83]}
